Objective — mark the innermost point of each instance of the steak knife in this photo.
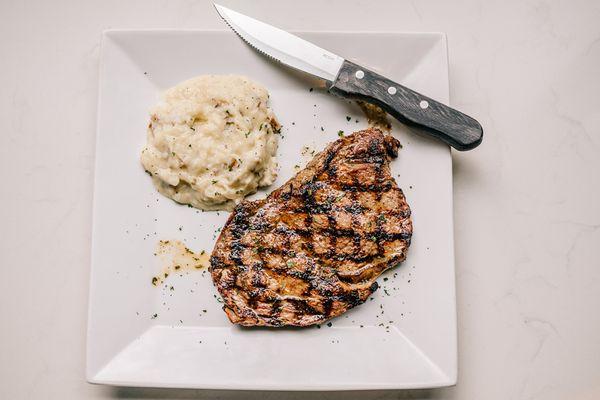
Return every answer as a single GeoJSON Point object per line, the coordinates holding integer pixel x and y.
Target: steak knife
{"type": "Point", "coordinates": [347, 79]}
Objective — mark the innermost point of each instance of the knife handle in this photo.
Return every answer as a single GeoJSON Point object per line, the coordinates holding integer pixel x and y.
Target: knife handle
{"type": "Point", "coordinates": [445, 123]}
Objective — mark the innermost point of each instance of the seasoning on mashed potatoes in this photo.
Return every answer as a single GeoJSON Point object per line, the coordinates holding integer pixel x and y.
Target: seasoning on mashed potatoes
{"type": "Point", "coordinates": [211, 141]}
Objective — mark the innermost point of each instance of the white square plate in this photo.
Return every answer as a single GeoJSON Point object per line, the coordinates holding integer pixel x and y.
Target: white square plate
{"type": "Point", "coordinates": [405, 337]}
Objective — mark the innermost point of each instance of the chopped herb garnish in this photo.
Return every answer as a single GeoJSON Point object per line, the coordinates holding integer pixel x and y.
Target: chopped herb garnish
{"type": "Point", "coordinates": [340, 133]}
{"type": "Point", "coordinates": [213, 182]}
{"type": "Point", "coordinates": [348, 118]}
{"type": "Point", "coordinates": [329, 324]}
{"type": "Point", "coordinates": [310, 90]}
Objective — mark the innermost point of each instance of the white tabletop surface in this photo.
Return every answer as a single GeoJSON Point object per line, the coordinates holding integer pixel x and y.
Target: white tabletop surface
{"type": "Point", "coordinates": [527, 201]}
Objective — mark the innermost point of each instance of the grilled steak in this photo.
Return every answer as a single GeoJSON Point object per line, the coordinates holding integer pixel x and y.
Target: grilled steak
{"type": "Point", "coordinates": [313, 248]}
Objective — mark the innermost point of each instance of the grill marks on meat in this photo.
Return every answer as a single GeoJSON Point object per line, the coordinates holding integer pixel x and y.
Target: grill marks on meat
{"type": "Point", "coordinates": [315, 246]}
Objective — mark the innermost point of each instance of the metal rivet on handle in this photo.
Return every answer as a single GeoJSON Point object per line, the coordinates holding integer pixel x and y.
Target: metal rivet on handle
{"type": "Point", "coordinates": [424, 104]}
{"type": "Point", "coordinates": [359, 74]}
{"type": "Point", "coordinates": [392, 90]}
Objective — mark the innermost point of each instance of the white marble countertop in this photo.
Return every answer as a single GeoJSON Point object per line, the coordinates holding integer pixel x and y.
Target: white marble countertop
{"type": "Point", "coordinates": [527, 201]}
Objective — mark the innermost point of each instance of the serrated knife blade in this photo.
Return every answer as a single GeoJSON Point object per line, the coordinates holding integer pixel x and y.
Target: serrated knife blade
{"type": "Point", "coordinates": [283, 46]}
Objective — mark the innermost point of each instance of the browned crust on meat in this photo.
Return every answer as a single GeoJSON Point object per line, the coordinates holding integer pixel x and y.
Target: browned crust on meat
{"type": "Point", "coordinates": [315, 246]}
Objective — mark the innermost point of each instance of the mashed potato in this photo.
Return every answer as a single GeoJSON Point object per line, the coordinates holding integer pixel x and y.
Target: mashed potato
{"type": "Point", "coordinates": [211, 141]}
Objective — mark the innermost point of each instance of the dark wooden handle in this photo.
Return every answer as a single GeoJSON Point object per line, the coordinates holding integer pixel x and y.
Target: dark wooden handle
{"type": "Point", "coordinates": [447, 124]}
